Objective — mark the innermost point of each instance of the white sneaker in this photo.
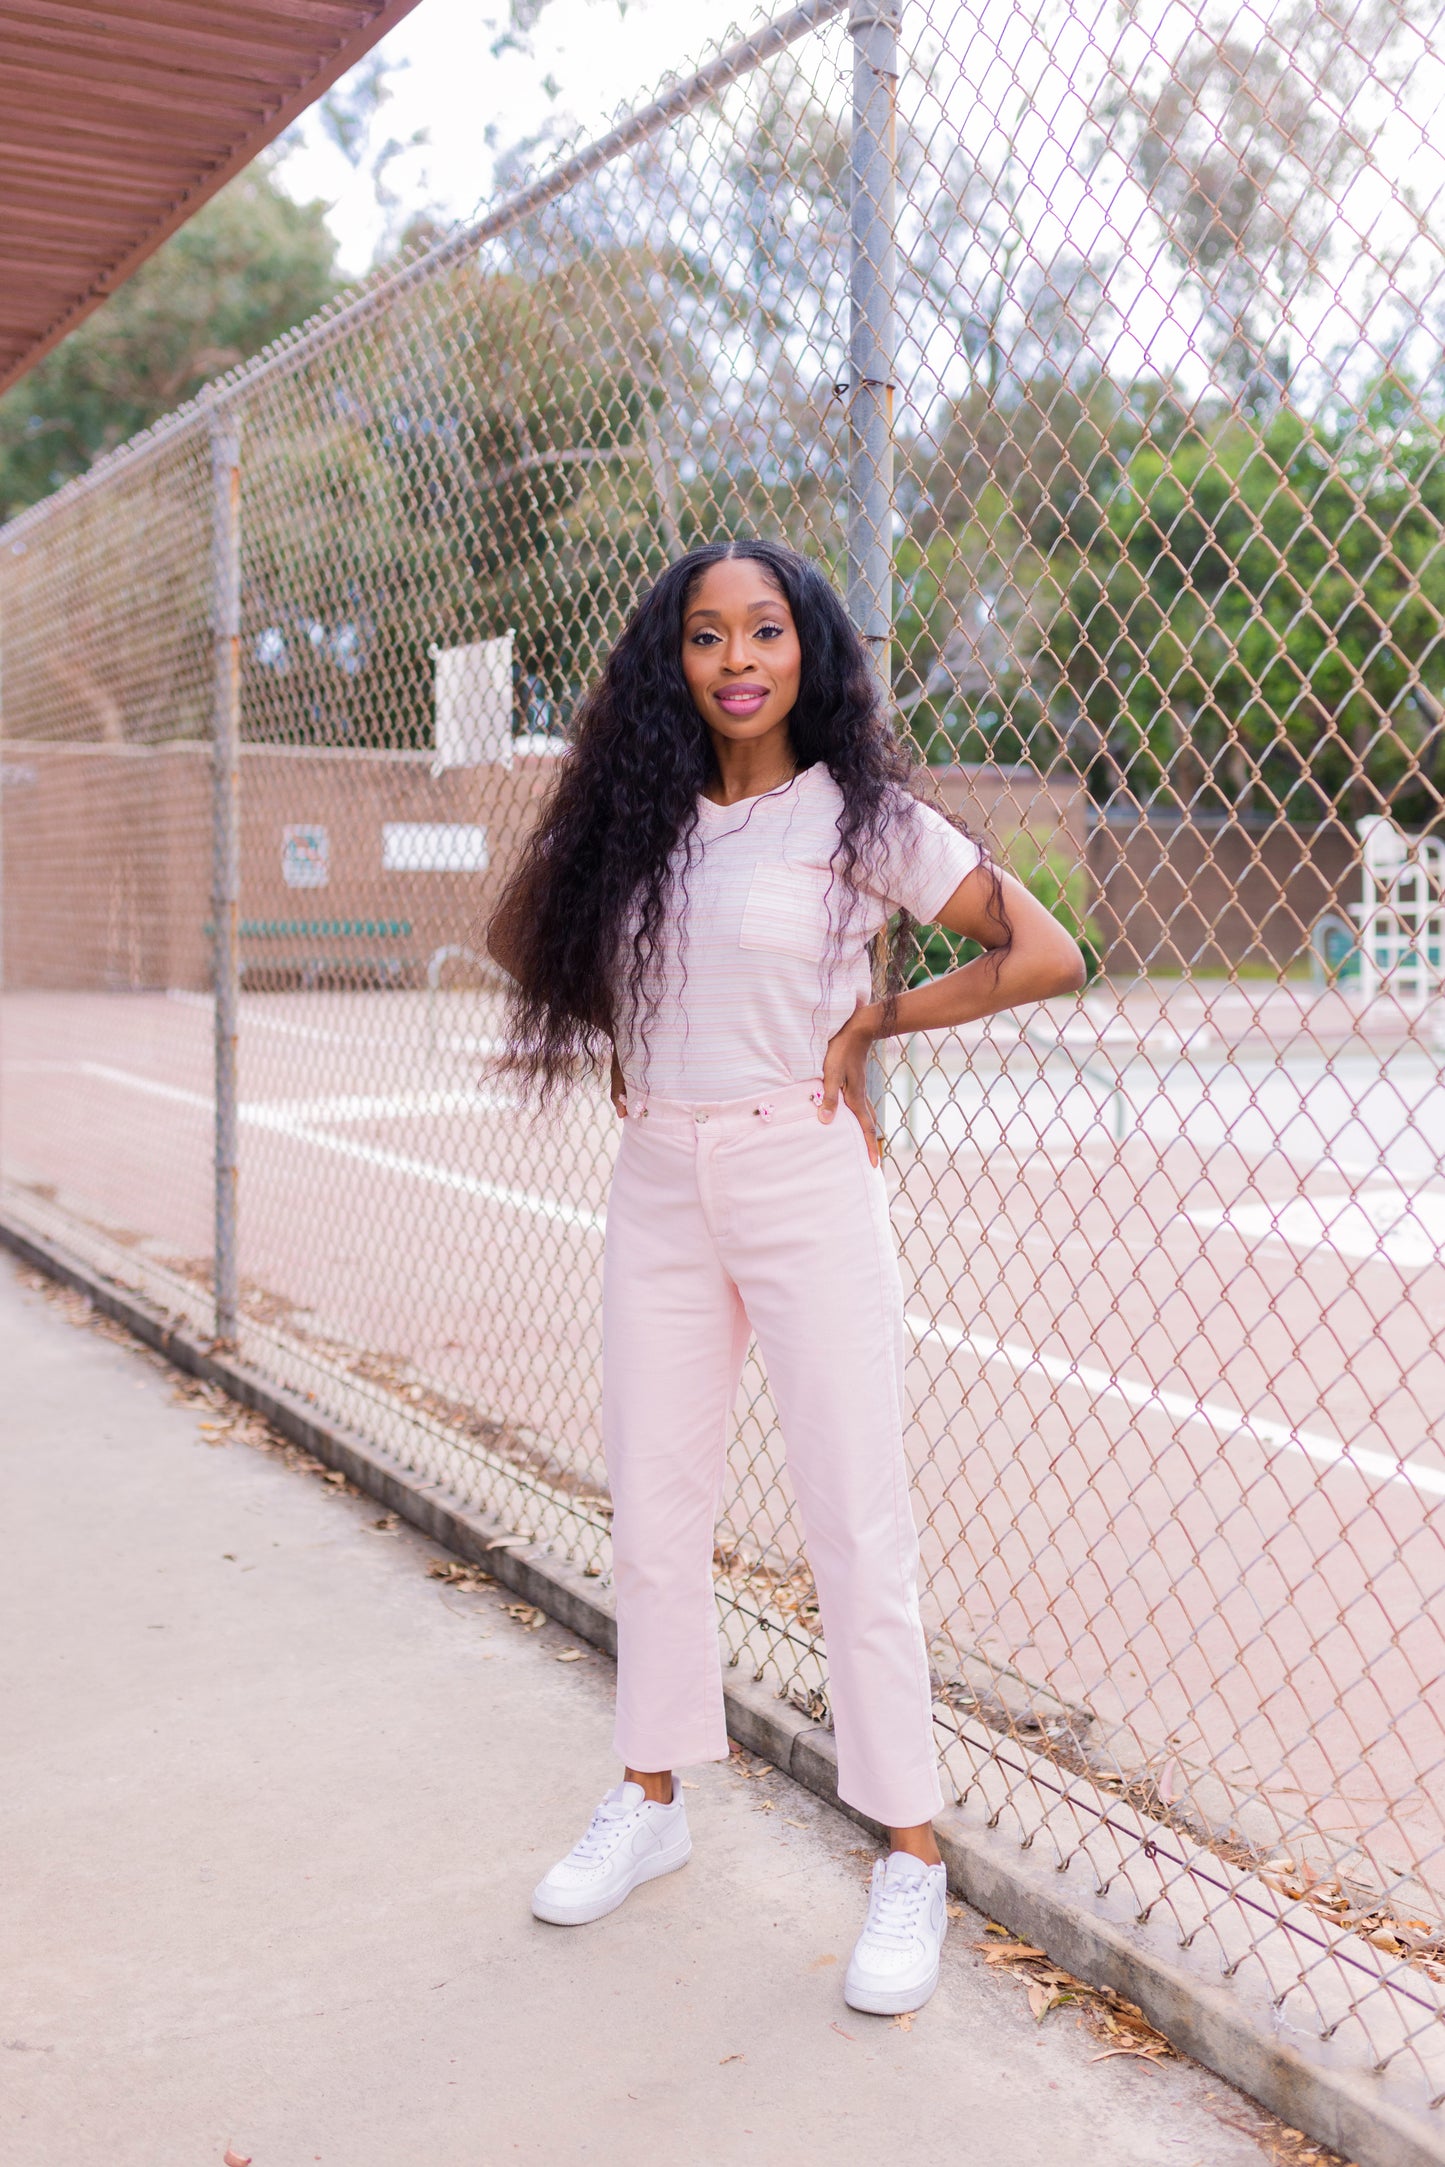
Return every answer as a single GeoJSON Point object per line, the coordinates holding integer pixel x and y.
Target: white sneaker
{"type": "Point", "coordinates": [630, 1839]}
{"type": "Point", "coordinates": [894, 1965]}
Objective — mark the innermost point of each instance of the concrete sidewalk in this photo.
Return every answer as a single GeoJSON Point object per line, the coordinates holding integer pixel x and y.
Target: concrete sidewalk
{"type": "Point", "coordinates": [272, 1806]}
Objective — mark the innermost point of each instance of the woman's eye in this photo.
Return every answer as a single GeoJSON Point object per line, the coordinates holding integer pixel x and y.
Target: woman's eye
{"type": "Point", "coordinates": [704, 639]}
{"type": "Point", "coordinates": [770, 632]}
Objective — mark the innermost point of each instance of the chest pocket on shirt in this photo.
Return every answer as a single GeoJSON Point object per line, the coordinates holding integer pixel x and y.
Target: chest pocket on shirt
{"type": "Point", "coordinates": [787, 911]}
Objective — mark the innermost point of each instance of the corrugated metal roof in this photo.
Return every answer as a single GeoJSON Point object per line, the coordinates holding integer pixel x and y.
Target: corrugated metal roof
{"type": "Point", "coordinates": [118, 120]}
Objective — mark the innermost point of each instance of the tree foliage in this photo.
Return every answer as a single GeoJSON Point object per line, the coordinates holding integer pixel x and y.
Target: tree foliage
{"type": "Point", "coordinates": [248, 266]}
{"type": "Point", "coordinates": [1199, 612]}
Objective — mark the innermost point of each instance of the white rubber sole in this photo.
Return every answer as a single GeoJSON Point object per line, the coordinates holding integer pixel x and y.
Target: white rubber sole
{"type": "Point", "coordinates": [893, 2001]}
{"type": "Point", "coordinates": [558, 1912]}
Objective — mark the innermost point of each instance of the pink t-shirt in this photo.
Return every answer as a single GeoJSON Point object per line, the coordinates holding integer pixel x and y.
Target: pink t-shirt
{"type": "Point", "coordinates": [753, 987]}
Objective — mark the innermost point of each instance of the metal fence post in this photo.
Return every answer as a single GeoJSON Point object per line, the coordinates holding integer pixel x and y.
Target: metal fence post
{"type": "Point", "coordinates": [226, 846]}
{"type": "Point", "coordinates": [873, 26]}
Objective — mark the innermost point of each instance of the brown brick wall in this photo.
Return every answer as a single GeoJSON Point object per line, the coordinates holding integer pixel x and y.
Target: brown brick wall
{"type": "Point", "coordinates": [1200, 896]}
{"type": "Point", "coordinates": [107, 859]}
{"type": "Point", "coordinates": [998, 802]}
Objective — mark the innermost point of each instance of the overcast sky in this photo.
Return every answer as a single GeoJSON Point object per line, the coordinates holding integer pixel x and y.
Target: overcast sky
{"type": "Point", "coordinates": [587, 57]}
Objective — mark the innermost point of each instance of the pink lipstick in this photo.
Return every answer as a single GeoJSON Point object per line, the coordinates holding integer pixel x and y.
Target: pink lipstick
{"type": "Point", "coordinates": [742, 699]}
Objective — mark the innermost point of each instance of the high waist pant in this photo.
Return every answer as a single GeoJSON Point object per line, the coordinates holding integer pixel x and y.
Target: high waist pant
{"type": "Point", "coordinates": [755, 1213]}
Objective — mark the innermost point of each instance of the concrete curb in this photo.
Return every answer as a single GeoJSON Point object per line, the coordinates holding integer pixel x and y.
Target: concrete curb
{"type": "Point", "coordinates": [1227, 2027]}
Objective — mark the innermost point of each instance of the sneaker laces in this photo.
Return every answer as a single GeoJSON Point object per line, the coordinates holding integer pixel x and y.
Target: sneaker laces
{"type": "Point", "coordinates": [602, 1831]}
{"type": "Point", "coordinates": [894, 1904]}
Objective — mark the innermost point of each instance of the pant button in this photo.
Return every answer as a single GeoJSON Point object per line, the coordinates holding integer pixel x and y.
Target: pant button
{"type": "Point", "coordinates": [699, 1117]}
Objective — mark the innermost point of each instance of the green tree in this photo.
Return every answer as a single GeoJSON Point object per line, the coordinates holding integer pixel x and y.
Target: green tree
{"type": "Point", "coordinates": [527, 440]}
{"type": "Point", "coordinates": [1202, 613]}
{"type": "Point", "coordinates": [248, 266]}
{"type": "Point", "coordinates": [1000, 514]}
{"type": "Point", "coordinates": [1255, 619]}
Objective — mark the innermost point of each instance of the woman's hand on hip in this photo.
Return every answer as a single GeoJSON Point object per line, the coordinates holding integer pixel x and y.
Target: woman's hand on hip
{"type": "Point", "coordinates": [845, 1074]}
{"type": "Point", "coordinates": [617, 1090]}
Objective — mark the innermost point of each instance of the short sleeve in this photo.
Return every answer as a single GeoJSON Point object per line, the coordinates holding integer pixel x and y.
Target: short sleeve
{"type": "Point", "coordinates": [923, 861]}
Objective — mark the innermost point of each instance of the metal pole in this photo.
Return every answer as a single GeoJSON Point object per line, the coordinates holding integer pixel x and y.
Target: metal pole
{"type": "Point", "coordinates": [226, 845]}
{"type": "Point", "coordinates": [873, 26]}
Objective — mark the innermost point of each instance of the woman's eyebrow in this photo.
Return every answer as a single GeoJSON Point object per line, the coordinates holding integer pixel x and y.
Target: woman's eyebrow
{"type": "Point", "coordinates": [752, 609]}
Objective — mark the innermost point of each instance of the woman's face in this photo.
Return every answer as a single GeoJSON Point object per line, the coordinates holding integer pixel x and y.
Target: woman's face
{"type": "Point", "coordinates": [740, 652]}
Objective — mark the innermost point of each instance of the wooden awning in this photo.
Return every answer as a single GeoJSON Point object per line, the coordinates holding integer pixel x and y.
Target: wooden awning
{"type": "Point", "coordinates": [118, 118]}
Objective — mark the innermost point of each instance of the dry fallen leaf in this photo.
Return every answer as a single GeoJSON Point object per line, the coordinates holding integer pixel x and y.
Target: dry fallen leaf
{"type": "Point", "coordinates": [456, 1575]}
{"type": "Point", "coordinates": [1121, 2024]}
{"type": "Point", "coordinates": [904, 2021]}
{"type": "Point", "coordinates": [569, 1655]}
{"type": "Point", "coordinates": [729, 2058]}
{"type": "Point", "coordinates": [842, 2034]}
{"type": "Point", "coordinates": [755, 1775]}
{"type": "Point", "coordinates": [1151, 2055]}
{"type": "Point", "coordinates": [686, 1785]}
{"type": "Point", "coordinates": [235, 2159]}
{"type": "Point", "coordinates": [1044, 1995]}
{"type": "Point", "coordinates": [527, 1615]}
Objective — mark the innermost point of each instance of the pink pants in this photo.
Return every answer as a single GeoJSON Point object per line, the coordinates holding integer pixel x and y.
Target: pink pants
{"type": "Point", "coordinates": [754, 1213]}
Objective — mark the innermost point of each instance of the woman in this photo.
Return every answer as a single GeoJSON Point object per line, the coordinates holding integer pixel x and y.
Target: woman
{"type": "Point", "coordinates": [734, 826]}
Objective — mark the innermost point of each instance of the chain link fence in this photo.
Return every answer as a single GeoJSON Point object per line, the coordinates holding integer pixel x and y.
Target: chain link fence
{"type": "Point", "coordinates": [1098, 351]}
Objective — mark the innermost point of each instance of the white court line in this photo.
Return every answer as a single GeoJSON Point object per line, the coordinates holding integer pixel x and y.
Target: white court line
{"type": "Point", "coordinates": [1224, 1421]}
{"type": "Point", "coordinates": [397, 1106]}
{"type": "Point", "coordinates": [259, 1020]}
{"type": "Point", "coordinates": [348, 1106]}
{"type": "Point", "coordinates": [288, 1027]}
{"type": "Point", "coordinates": [439, 1177]}
{"type": "Point", "coordinates": [1403, 1227]}
{"type": "Point", "coordinates": [277, 1119]}
{"type": "Point", "coordinates": [201, 1100]}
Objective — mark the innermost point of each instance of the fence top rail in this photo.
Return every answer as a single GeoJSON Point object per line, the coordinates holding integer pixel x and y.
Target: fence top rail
{"type": "Point", "coordinates": [358, 303]}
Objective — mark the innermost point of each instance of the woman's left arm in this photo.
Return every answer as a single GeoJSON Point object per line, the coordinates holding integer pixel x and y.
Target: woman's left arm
{"type": "Point", "coordinates": [1039, 960]}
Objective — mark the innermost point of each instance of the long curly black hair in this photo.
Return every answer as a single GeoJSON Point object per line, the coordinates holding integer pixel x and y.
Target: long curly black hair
{"type": "Point", "coordinates": [581, 922]}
